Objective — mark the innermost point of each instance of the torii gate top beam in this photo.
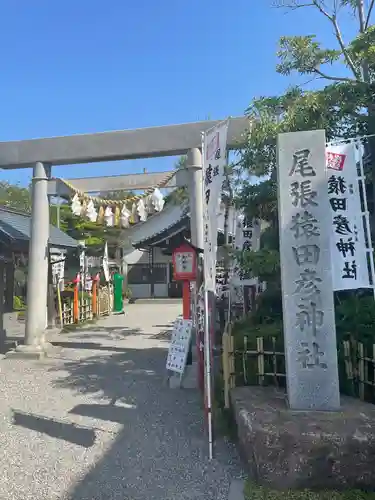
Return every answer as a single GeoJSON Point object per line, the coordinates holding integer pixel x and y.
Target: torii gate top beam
{"type": "Point", "coordinates": [170, 140]}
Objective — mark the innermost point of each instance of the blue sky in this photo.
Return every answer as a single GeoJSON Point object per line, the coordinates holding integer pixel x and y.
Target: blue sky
{"type": "Point", "coordinates": [83, 66]}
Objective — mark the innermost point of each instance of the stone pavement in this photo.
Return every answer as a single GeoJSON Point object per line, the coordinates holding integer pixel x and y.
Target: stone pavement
{"type": "Point", "coordinates": [97, 421]}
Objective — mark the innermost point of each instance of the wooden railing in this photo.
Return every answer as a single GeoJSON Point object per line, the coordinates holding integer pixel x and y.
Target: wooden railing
{"type": "Point", "coordinates": [358, 360]}
{"type": "Point", "coordinates": [258, 361]}
{"type": "Point", "coordinates": [84, 312]}
{"type": "Point", "coordinates": [104, 302]}
{"type": "Point", "coordinates": [97, 305]}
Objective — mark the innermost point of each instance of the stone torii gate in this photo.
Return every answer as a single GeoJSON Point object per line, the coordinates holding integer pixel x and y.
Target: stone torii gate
{"type": "Point", "coordinates": [42, 154]}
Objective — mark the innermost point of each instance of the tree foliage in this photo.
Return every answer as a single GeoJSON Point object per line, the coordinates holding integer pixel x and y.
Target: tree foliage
{"type": "Point", "coordinates": [340, 107]}
{"type": "Point", "coordinates": [180, 194]}
{"type": "Point", "coordinates": [15, 196]}
{"type": "Point", "coordinates": [344, 107]}
{"type": "Point", "coordinates": [306, 55]}
{"type": "Point", "coordinates": [80, 228]}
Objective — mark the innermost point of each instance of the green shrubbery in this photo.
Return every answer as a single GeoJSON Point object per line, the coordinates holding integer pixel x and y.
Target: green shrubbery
{"type": "Point", "coordinates": [355, 317]}
{"type": "Point", "coordinates": [355, 320]}
{"type": "Point", "coordinates": [68, 293]}
{"type": "Point", "coordinates": [18, 304]}
{"type": "Point", "coordinates": [255, 492]}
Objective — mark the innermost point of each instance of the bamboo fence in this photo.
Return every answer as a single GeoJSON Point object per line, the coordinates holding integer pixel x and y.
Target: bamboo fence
{"type": "Point", "coordinates": [248, 361]}
{"type": "Point", "coordinates": [86, 311]}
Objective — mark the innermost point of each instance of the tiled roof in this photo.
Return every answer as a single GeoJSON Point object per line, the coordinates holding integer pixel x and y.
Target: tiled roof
{"type": "Point", "coordinates": [158, 223]}
{"type": "Point", "coordinates": [169, 217]}
{"type": "Point", "coordinates": [17, 226]}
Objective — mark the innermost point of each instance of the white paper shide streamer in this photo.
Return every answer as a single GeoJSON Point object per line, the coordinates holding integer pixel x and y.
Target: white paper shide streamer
{"type": "Point", "coordinates": [91, 212]}
{"type": "Point", "coordinates": [124, 217]}
{"type": "Point", "coordinates": [134, 213]}
{"type": "Point", "coordinates": [108, 217]}
{"type": "Point", "coordinates": [157, 200]}
{"type": "Point", "coordinates": [76, 205]}
{"type": "Point", "coordinates": [141, 210]}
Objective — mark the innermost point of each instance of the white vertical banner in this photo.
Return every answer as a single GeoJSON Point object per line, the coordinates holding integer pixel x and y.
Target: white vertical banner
{"type": "Point", "coordinates": [214, 162]}
{"type": "Point", "coordinates": [58, 267]}
{"type": "Point", "coordinates": [214, 152]}
{"type": "Point", "coordinates": [247, 237]}
{"type": "Point", "coordinates": [348, 244]}
{"type": "Point", "coordinates": [106, 263]}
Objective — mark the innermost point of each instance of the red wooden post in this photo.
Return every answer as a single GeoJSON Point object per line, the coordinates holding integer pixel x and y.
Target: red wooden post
{"type": "Point", "coordinates": [95, 282]}
{"type": "Point", "coordinates": [200, 362]}
{"type": "Point", "coordinates": [76, 299]}
{"type": "Point", "coordinates": [185, 269]}
{"type": "Point", "coordinates": [186, 300]}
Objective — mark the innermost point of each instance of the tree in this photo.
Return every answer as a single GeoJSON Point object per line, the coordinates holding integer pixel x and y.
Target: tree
{"type": "Point", "coordinates": [305, 54]}
{"type": "Point", "coordinates": [180, 194]}
{"type": "Point", "coordinates": [16, 197]}
{"type": "Point", "coordinates": [344, 108]}
{"type": "Point", "coordinates": [80, 228]}
{"type": "Point", "coordinates": [354, 92]}
{"type": "Point", "coordinates": [116, 195]}
{"type": "Point", "coordinates": [294, 111]}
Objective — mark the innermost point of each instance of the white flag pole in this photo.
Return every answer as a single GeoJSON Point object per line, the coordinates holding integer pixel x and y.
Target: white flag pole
{"type": "Point", "coordinates": [231, 272]}
{"type": "Point", "coordinates": [207, 360]}
{"type": "Point", "coordinates": [207, 351]}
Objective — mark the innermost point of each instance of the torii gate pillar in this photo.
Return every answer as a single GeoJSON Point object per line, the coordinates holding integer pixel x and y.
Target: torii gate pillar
{"type": "Point", "coordinates": [37, 283]}
{"type": "Point", "coordinates": [171, 140]}
{"type": "Point", "coordinates": [195, 186]}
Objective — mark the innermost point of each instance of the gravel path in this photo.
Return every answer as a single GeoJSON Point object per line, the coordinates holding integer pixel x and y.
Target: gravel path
{"type": "Point", "coordinates": [96, 421]}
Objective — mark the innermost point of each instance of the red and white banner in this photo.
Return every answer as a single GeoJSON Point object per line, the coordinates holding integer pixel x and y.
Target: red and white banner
{"type": "Point", "coordinates": [348, 244]}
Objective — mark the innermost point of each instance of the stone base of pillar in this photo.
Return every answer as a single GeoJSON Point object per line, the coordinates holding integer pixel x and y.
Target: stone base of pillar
{"type": "Point", "coordinates": [37, 351]}
{"type": "Point", "coordinates": [296, 450]}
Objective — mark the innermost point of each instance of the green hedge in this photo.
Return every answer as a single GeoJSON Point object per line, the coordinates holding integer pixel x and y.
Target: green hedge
{"type": "Point", "coordinates": [255, 492]}
{"type": "Point", "coordinates": [355, 322]}
{"type": "Point", "coordinates": [18, 304]}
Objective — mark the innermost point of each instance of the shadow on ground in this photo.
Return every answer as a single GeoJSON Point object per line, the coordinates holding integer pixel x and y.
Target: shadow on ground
{"type": "Point", "coordinates": [160, 453]}
{"type": "Point", "coordinates": [80, 332]}
{"type": "Point", "coordinates": [165, 333]}
{"type": "Point", "coordinates": [106, 332]}
{"type": "Point", "coordinates": [111, 377]}
{"type": "Point", "coordinates": [72, 433]}
{"type": "Point", "coordinates": [9, 343]}
{"type": "Point", "coordinates": [168, 325]}
{"type": "Point", "coordinates": [93, 346]}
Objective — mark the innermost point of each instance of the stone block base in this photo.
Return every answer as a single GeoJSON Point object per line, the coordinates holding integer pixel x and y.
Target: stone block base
{"type": "Point", "coordinates": [174, 381]}
{"type": "Point", "coordinates": [189, 379]}
{"type": "Point", "coordinates": [25, 354]}
{"type": "Point", "coordinates": [295, 449]}
{"type": "Point", "coordinates": [32, 351]}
